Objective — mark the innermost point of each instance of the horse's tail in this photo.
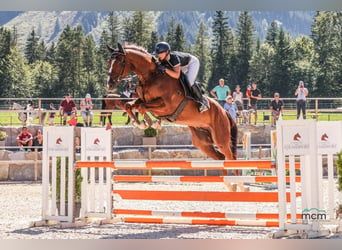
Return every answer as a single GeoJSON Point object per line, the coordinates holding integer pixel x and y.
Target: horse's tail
{"type": "Point", "coordinates": [233, 135]}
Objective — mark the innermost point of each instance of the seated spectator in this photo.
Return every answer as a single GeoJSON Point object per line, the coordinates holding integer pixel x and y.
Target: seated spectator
{"type": "Point", "coordinates": [24, 139]}
{"type": "Point", "coordinates": [277, 107]}
{"type": "Point", "coordinates": [231, 107]}
{"type": "Point", "coordinates": [52, 115]}
{"type": "Point", "coordinates": [68, 108]}
{"type": "Point", "coordinates": [86, 110]}
{"type": "Point", "coordinates": [38, 140]}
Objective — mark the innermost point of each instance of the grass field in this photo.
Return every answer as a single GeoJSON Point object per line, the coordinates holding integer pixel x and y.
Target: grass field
{"type": "Point", "coordinates": [10, 118]}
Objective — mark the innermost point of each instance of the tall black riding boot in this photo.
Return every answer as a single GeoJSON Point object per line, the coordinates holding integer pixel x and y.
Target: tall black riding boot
{"type": "Point", "coordinates": [204, 103]}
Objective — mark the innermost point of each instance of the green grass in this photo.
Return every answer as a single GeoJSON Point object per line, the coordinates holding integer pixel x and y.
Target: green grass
{"type": "Point", "coordinates": [10, 118]}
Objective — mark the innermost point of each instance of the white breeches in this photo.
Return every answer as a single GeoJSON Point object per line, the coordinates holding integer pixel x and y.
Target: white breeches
{"type": "Point", "coordinates": [191, 69]}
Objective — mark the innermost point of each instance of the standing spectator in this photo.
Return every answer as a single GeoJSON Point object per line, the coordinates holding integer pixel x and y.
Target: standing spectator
{"type": "Point", "coordinates": [248, 95]}
{"type": "Point", "coordinates": [29, 107]}
{"type": "Point", "coordinates": [68, 108]}
{"type": "Point", "coordinates": [238, 99]}
{"type": "Point", "coordinates": [24, 139]}
{"type": "Point", "coordinates": [231, 107]}
{"type": "Point", "coordinates": [255, 95]}
{"type": "Point", "coordinates": [220, 92]}
{"type": "Point", "coordinates": [52, 115]}
{"type": "Point", "coordinates": [38, 140]}
{"type": "Point", "coordinates": [301, 93]}
{"type": "Point", "coordinates": [86, 110]}
{"type": "Point", "coordinates": [277, 106]}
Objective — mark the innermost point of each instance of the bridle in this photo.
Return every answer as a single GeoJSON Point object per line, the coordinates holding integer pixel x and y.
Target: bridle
{"type": "Point", "coordinates": [122, 63]}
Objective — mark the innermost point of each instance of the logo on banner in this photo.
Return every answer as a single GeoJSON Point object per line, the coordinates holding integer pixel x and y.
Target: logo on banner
{"type": "Point", "coordinates": [96, 141]}
{"type": "Point", "coordinates": [296, 142]}
{"type": "Point", "coordinates": [59, 140]}
{"type": "Point", "coordinates": [314, 214]}
{"type": "Point", "coordinates": [326, 144]}
{"type": "Point", "coordinates": [297, 137]}
{"type": "Point", "coordinates": [95, 145]}
{"type": "Point", "coordinates": [324, 137]}
{"type": "Point", "coordinates": [59, 145]}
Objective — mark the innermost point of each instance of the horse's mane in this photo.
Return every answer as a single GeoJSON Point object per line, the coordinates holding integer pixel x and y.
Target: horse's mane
{"type": "Point", "coordinates": [137, 48]}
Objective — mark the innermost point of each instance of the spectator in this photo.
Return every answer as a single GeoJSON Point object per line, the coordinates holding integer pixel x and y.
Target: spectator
{"type": "Point", "coordinates": [238, 99]}
{"type": "Point", "coordinates": [86, 110]}
{"type": "Point", "coordinates": [52, 115]}
{"type": "Point", "coordinates": [77, 145]}
{"type": "Point", "coordinates": [255, 95]}
{"type": "Point", "coordinates": [277, 106]}
{"type": "Point", "coordinates": [301, 93]}
{"type": "Point", "coordinates": [68, 108]}
{"type": "Point", "coordinates": [38, 140]}
{"type": "Point", "coordinates": [24, 139]}
{"type": "Point", "coordinates": [220, 92]}
{"type": "Point", "coordinates": [248, 95]}
{"type": "Point", "coordinates": [231, 107]}
{"type": "Point", "coordinates": [29, 107]}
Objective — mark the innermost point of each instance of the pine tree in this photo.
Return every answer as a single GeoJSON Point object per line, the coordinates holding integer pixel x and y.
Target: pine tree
{"type": "Point", "coordinates": [179, 39]}
{"type": "Point", "coordinates": [113, 28]}
{"type": "Point", "coordinates": [272, 34]}
{"type": "Point", "coordinates": [327, 37]}
{"type": "Point", "coordinates": [245, 40]}
{"type": "Point", "coordinates": [31, 48]}
{"type": "Point", "coordinates": [282, 67]}
{"type": "Point", "coordinates": [152, 42]}
{"type": "Point", "coordinates": [128, 30]}
{"type": "Point", "coordinates": [170, 35]}
{"type": "Point", "coordinates": [201, 50]}
{"type": "Point", "coordinates": [222, 44]}
{"type": "Point", "coordinates": [88, 66]}
{"type": "Point", "coordinates": [141, 24]}
{"type": "Point", "coordinates": [261, 65]}
{"type": "Point", "coordinates": [304, 56]}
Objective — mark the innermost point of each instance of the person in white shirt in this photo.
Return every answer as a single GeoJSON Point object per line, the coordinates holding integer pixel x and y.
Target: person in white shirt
{"type": "Point", "coordinates": [86, 110]}
{"type": "Point", "coordinates": [301, 93]}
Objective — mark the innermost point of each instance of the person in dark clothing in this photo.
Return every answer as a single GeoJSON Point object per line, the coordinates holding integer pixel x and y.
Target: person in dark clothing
{"type": "Point", "coordinates": [277, 107]}
{"type": "Point", "coordinates": [173, 62]}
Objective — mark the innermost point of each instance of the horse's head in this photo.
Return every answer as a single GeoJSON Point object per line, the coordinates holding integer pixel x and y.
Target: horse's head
{"type": "Point", "coordinates": [117, 67]}
{"type": "Point", "coordinates": [16, 106]}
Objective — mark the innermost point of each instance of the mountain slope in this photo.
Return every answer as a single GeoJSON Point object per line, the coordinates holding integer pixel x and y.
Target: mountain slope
{"type": "Point", "coordinates": [49, 24]}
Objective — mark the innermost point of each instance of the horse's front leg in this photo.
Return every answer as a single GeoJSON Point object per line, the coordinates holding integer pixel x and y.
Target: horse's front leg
{"type": "Point", "coordinates": [129, 107]}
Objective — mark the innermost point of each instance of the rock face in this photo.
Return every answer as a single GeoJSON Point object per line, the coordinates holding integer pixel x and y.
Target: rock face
{"type": "Point", "coordinates": [122, 136]}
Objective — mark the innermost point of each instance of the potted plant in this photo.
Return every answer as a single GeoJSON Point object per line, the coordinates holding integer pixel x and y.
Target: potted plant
{"type": "Point", "coordinates": [3, 136]}
{"type": "Point", "coordinates": [149, 137]}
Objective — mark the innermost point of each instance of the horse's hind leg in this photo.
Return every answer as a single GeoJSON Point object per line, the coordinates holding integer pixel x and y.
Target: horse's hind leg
{"type": "Point", "coordinates": [201, 138]}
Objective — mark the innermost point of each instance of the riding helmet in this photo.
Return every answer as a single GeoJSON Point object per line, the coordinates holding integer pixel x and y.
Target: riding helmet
{"type": "Point", "coordinates": [161, 47]}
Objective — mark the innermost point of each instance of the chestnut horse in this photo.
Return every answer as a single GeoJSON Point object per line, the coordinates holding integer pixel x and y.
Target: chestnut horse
{"type": "Point", "coordinates": [165, 98]}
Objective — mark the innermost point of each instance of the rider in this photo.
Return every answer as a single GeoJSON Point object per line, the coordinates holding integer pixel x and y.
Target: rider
{"type": "Point", "coordinates": [172, 62]}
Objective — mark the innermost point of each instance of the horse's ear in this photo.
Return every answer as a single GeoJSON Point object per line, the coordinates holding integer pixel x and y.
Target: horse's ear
{"type": "Point", "coordinates": [111, 50]}
{"type": "Point", "coordinates": [121, 49]}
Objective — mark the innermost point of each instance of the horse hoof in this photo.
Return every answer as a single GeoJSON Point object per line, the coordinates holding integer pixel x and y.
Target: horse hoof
{"type": "Point", "coordinates": [156, 125]}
